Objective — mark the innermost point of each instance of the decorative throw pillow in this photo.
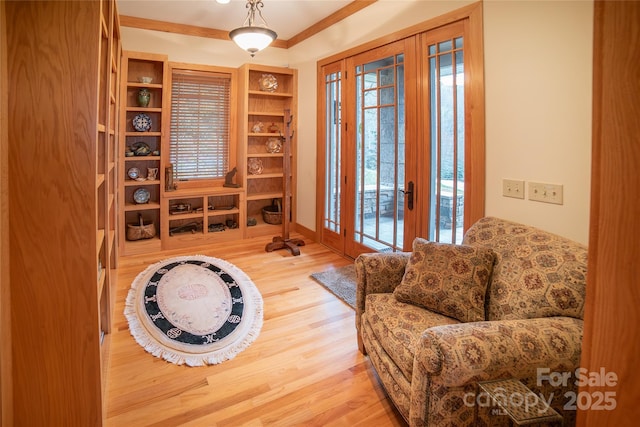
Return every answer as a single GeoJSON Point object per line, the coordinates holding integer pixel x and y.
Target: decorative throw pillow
{"type": "Point", "coordinates": [447, 279]}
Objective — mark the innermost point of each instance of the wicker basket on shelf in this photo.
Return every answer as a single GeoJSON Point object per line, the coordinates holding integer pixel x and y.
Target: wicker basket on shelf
{"type": "Point", "coordinates": [141, 230]}
{"type": "Point", "coordinates": [273, 214]}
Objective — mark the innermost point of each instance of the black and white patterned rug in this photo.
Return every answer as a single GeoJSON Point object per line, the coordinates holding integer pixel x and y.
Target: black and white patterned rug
{"type": "Point", "coordinates": [194, 310]}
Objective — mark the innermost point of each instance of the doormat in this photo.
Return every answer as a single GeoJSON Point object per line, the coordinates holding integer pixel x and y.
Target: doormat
{"type": "Point", "coordinates": [341, 282]}
{"type": "Point", "coordinates": [194, 310]}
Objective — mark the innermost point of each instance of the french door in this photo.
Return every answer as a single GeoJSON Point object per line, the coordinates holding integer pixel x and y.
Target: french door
{"type": "Point", "coordinates": [397, 146]}
{"type": "Point", "coordinates": [378, 178]}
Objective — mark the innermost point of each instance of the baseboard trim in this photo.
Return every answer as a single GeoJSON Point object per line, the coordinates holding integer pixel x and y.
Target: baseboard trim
{"type": "Point", "coordinates": [306, 232]}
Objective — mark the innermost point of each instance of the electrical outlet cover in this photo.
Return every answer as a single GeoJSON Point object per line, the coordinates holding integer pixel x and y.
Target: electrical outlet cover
{"type": "Point", "coordinates": [513, 188]}
{"type": "Point", "coordinates": [547, 193]}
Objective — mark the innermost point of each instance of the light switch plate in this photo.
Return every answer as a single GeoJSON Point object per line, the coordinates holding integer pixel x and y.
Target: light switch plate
{"type": "Point", "coordinates": [547, 193]}
{"type": "Point", "coordinates": [513, 188]}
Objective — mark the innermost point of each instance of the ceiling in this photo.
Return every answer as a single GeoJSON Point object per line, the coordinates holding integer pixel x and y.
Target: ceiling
{"type": "Point", "coordinates": [286, 17]}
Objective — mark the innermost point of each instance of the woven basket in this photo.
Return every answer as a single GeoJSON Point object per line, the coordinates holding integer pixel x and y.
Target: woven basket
{"type": "Point", "coordinates": [272, 214]}
{"type": "Point", "coordinates": [141, 230]}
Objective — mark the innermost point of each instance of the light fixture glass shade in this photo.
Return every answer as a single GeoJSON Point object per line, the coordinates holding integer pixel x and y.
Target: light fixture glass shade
{"type": "Point", "coordinates": [253, 39]}
{"type": "Point", "coordinates": [250, 37]}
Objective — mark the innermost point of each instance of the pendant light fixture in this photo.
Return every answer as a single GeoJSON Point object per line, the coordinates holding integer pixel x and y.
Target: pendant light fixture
{"type": "Point", "coordinates": [252, 37]}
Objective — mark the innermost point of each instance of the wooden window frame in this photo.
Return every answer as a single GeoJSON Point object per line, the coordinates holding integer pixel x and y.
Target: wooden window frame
{"type": "Point", "coordinates": [232, 124]}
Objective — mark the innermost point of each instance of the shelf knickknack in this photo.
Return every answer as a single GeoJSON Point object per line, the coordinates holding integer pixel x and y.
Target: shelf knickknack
{"type": "Point", "coordinates": [144, 96]}
{"type": "Point", "coordinates": [169, 185]}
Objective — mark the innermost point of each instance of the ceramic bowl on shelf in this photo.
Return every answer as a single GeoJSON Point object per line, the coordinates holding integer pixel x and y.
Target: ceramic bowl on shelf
{"type": "Point", "coordinates": [255, 166]}
{"type": "Point", "coordinates": [274, 145]}
{"type": "Point", "coordinates": [145, 79]}
{"type": "Point", "coordinates": [268, 83]}
{"type": "Point", "coordinates": [140, 148]}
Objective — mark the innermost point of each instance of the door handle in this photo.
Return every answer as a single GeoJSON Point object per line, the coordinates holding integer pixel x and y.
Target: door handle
{"type": "Point", "coordinates": [409, 194]}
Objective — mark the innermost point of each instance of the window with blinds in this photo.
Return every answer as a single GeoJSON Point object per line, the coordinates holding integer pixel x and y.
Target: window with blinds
{"type": "Point", "coordinates": [200, 119]}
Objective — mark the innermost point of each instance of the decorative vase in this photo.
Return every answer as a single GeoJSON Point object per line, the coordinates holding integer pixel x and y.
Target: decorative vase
{"type": "Point", "coordinates": [257, 127]}
{"type": "Point", "coordinates": [144, 96]}
{"type": "Point", "coordinates": [152, 174]}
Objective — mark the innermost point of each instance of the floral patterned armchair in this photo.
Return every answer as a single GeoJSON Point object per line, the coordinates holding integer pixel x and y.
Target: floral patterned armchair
{"type": "Point", "coordinates": [507, 303]}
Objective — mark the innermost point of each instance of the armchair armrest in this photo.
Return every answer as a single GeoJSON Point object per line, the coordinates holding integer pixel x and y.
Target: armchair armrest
{"type": "Point", "coordinates": [451, 359]}
{"type": "Point", "coordinates": [479, 351]}
{"type": "Point", "coordinates": [377, 273]}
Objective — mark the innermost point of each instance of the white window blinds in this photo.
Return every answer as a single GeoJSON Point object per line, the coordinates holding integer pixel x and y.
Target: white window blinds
{"type": "Point", "coordinates": [200, 115]}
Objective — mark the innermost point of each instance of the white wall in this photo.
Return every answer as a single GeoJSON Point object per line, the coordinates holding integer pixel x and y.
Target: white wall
{"type": "Point", "coordinates": [538, 95]}
{"type": "Point", "coordinates": [538, 77]}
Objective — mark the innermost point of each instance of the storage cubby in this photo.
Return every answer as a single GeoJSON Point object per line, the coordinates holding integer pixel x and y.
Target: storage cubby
{"type": "Point", "coordinates": [133, 217]}
{"type": "Point", "coordinates": [269, 145]}
{"type": "Point", "coordinates": [254, 211]}
{"type": "Point", "coordinates": [198, 216]}
{"type": "Point", "coordinates": [149, 216]}
{"type": "Point", "coordinates": [181, 224]}
{"type": "Point", "coordinates": [225, 210]}
{"type": "Point", "coordinates": [155, 91]}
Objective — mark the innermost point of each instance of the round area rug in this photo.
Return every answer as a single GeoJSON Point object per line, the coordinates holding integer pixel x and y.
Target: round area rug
{"type": "Point", "coordinates": [194, 310]}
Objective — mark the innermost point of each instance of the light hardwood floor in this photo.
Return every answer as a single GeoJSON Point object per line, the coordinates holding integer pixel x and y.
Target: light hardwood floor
{"type": "Point", "coordinates": [303, 370]}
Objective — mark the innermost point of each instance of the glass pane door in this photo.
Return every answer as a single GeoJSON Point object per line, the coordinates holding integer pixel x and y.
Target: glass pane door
{"type": "Point", "coordinates": [447, 134]}
{"type": "Point", "coordinates": [391, 173]}
{"type": "Point", "coordinates": [379, 154]}
{"type": "Point", "coordinates": [332, 153]}
{"type": "Point", "coordinates": [331, 221]}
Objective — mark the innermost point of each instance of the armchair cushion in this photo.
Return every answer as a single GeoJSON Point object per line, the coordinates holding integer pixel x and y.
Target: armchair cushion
{"type": "Point", "coordinates": [398, 327]}
{"type": "Point", "coordinates": [447, 279]}
{"type": "Point", "coordinates": [537, 273]}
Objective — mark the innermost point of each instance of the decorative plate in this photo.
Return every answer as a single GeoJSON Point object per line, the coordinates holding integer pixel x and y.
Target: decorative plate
{"type": "Point", "coordinates": [141, 122]}
{"type": "Point", "coordinates": [274, 145]}
{"type": "Point", "coordinates": [268, 83]}
{"type": "Point", "coordinates": [255, 166]}
{"type": "Point", "coordinates": [140, 148]}
{"type": "Point", "coordinates": [141, 195]}
{"type": "Point", "coordinates": [133, 173]}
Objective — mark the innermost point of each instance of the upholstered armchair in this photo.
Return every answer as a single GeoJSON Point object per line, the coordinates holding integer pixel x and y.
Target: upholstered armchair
{"type": "Point", "coordinates": [507, 303]}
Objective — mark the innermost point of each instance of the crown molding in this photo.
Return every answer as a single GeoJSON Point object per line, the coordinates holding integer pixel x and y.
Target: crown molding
{"type": "Point", "coordinates": [212, 33]}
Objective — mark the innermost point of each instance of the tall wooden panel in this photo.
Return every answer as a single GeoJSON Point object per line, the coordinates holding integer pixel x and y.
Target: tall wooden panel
{"type": "Point", "coordinates": [612, 319]}
{"type": "Point", "coordinates": [6, 399]}
{"type": "Point", "coordinates": [62, 65]}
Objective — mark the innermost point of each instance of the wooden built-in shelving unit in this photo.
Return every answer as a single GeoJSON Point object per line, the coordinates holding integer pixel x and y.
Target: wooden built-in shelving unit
{"type": "Point", "coordinates": [266, 107]}
{"type": "Point", "coordinates": [106, 179]}
{"type": "Point", "coordinates": [63, 66]}
{"type": "Point", "coordinates": [136, 65]}
{"type": "Point", "coordinates": [231, 206]}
